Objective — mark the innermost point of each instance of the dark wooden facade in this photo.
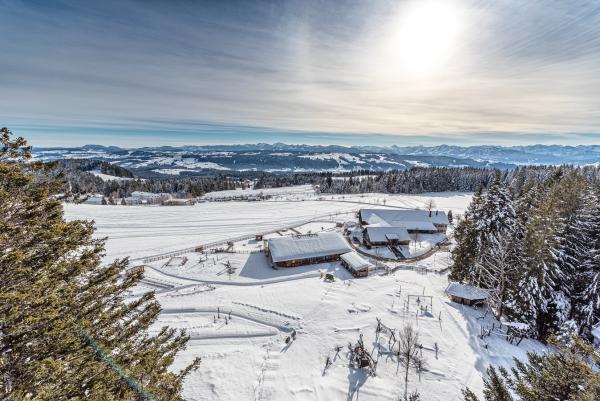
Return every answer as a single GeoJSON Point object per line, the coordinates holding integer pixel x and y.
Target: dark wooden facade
{"type": "Point", "coordinates": [304, 262]}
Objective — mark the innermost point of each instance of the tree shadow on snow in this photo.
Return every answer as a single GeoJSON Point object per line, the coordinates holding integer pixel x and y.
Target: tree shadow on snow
{"type": "Point", "coordinates": [493, 349]}
{"type": "Point", "coordinates": [356, 379]}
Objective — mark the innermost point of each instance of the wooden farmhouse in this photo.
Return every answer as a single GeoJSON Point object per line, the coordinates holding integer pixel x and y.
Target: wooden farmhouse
{"type": "Point", "coordinates": [466, 294]}
{"type": "Point", "coordinates": [383, 236]}
{"type": "Point", "coordinates": [355, 264]}
{"type": "Point", "coordinates": [306, 249]}
{"type": "Point", "coordinates": [414, 221]}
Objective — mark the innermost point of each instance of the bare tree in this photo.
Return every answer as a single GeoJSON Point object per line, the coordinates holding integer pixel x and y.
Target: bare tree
{"type": "Point", "coordinates": [430, 205]}
{"type": "Point", "coordinates": [408, 353]}
{"type": "Point", "coordinates": [496, 271]}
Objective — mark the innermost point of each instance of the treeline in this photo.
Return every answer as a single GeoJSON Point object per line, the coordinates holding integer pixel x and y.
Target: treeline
{"type": "Point", "coordinates": [72, 165]}
{"type": "Point", "coordinates": [533, 240]}
{"type": "Point", "coordinates": [413, 181]}
{"type": "Point", "coordinates": [180, 186]}
{"type": "Point", "coordinates": [82, 181]}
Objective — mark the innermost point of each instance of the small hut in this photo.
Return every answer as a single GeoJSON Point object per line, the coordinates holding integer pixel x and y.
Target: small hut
{"type": "Point", "coordinates": [466, 294]}
{"type": "Point", "coordinates": [355, 264]}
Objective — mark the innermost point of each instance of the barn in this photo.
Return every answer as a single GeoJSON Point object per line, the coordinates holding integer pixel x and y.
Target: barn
{"type": "Point", "coordinates": [466, 294]}
{"type": "Point", "coordinates": [383, 236]}
{"type": "Point", "coordinates": [355, 264]}
{"type": "Point", "coordinates": [306, 249]}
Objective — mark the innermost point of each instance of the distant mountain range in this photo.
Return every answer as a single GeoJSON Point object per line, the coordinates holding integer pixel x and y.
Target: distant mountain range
{"type": "Point", "coordinates": [279, 157]}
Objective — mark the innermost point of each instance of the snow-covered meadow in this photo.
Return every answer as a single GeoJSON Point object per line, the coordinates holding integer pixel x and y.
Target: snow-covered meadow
{"type": "Point", "coordinates": [138, 231]}
{"type": "Point", "coordinates": [238, 322]}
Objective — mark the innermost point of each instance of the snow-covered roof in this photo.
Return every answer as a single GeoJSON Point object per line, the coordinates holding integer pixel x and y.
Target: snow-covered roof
{"type": "Point", "coordinates": [596, 331]}
{"type": "Point", "coordinates": [409, 225]}
{"type": "Point", "coordinates": [293, 247]}
{"type": "Point", "coordinates": [142, 194]}
{"type": "Point", "coordinates": [395, 217]}
{"type": "Point", "coordinates": [355, 261]}
{"type": "Point", "coordinates": [466, 291]}
{"type": "Point", "coordinates": [382, 234]}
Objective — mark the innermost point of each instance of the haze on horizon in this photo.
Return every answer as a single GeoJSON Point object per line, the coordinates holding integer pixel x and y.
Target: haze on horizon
{"type": "Point", "coordinates": [408, 72]}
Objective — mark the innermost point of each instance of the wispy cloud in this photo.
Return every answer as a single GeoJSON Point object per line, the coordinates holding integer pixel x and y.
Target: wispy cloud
{"type": "Point", "coordinates": [301, 69]}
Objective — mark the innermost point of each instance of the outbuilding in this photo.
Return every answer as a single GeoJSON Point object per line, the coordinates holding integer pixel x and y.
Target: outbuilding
{"type": "Point", "coordinates": [383, 236]}
{"type": "Point", "coordinates": [306, 249]}
{"type": "Point", "coordinates": [355, 264]}
{"type": "Point", "coordinates": [466, 294]}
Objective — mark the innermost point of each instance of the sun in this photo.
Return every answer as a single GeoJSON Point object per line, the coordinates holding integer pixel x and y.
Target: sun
{"type": "Point", "coordinates": [424, 36]}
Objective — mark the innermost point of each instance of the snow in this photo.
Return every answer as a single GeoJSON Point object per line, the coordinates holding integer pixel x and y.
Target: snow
{"type": "Point", "coordinates": [95, 199]}
{"type": "Point", "coordinates": [108, 177]}
{"type": "Point", "coordinates": [170, 171]}
{"type": "Point", "coordinates": [418, 163]}
{"type": "Point", "coordinates": [138, 231]}
{"type": "Point", "coordinates": [596, 331]}
{"type": "Point", "coordinates": [306, 246]}
{"type": "Point", "coordinates": [245, 193]}
{"type": "Point", "coordinates": [247, 358]}
{"type": "Point", "coordinates": [179, 161]}
{"type": "Point", "coordinates": [340, 158]}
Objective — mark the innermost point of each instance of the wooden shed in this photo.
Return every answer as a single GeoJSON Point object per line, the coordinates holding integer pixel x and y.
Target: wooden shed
{"type": "Point", "coordinates": [466, 294]}
{"type": "Point", "coordinates": [355, 264]}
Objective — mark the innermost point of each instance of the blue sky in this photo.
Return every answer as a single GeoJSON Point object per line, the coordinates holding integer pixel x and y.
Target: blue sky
{"type": "Point", "coordinates": [401, 72]}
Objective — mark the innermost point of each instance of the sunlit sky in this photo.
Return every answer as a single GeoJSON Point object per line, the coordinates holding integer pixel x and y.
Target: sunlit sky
{"type": "Point", "coordinates": [346, 72]}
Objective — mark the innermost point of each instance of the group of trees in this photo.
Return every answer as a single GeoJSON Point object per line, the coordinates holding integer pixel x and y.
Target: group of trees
{"type": "Point", "coordinates": [413, 181]}
{"type": "Point", "coordinates": [533, 240]}
{"type": "Point", "coordinates": [83, 181]}
{"type": "Point", "coordinates": [66, 332]}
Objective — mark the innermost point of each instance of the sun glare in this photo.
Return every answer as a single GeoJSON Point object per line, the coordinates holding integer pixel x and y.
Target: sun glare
{"type": "Point", "coordinates": [424, 35]}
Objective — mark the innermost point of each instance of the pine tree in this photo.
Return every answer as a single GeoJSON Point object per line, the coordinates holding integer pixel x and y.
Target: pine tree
{"type": "Point", "coordinates": [543, 296]}
{"type": "Point", "coordinates": [464, 254]}
{"type": "Point", "coordinates": [566, 374]}
{"type": "Point", "coordinates": [495, 388]}
{"type": "Point", "coordinates": [65, 331]}
{"type": "Point", "coordinates": [587, 290]}
{"type": "Point", "coordinates": [574, 253]}
{"type": "Point", "coordinates": [499, 237]}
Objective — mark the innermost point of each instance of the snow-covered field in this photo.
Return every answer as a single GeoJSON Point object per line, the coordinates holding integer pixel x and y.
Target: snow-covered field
{"type": "Point", "coordinates": [298, 191]}
{"type": "Point", "coordinates": [138, 231]}
{"type": "Point", "coordinates": [238, 322]}
{"type": "Point", "coordinates": [107, 177]}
